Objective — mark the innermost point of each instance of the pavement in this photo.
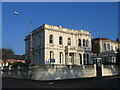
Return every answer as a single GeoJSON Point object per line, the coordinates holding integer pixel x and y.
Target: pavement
{"type": "Point", "coordinates": [112, 82]}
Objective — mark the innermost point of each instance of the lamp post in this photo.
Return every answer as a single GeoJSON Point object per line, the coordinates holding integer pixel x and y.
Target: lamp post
{"type": "Point", "coordinates": [30, 22]}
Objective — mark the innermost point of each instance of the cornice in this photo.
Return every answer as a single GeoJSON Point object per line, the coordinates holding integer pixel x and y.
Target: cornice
{"type": "Point", "coordinates": [72, 32]}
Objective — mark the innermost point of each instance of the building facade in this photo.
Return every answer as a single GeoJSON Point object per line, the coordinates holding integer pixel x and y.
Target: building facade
{"type": "Point", "coordinates": [105, 49]}
{"type": "Point", "coordinates": [103, 45]}
{"type": "Point", "coordinates": [57, 45]}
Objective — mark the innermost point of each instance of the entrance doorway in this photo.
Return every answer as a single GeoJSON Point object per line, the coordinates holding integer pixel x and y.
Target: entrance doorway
{"type": "Point", "coordinates": [71, 58]}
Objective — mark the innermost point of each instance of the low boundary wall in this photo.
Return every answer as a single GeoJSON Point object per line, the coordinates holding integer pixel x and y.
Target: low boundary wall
{"type": "Point", "coordinates": [56, 72]}
{"type": "Point", "coordinates": [110, 70]}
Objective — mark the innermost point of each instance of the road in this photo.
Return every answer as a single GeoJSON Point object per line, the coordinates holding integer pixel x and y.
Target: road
{"type": "Point", "coordinates": [106, 82]}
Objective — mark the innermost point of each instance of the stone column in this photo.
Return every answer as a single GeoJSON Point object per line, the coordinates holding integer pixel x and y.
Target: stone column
{"type": "Point", "coordinates": [75, 61]}
{"type": "Point", "coordinates": [77, 40]}
{"type": "Point", "coordinates": [66, 58]}
{"type": "Point", "coordinates": [95, 73]}
{"type": "Point", "coordinates": [82, 59]}
{"type": "Point", "coordinates": [81, 42]}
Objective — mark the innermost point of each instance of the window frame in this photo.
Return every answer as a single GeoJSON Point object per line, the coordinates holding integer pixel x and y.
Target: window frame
{"type": "Point", "coordinates": [51, 39]}
{"type": "Point", "coordinates": [108, 46]}
{"type": "Point", "coordinates": [69, 41]}
{"type": "Point", "coordinates": [60, 40]}
{"type": "Point", "coordinates": [87, 43]}
{"type": "Point", "coordinates": [61, 57]}
{"type": "Point", "coordinates": [80, 58]}
{"type": "Point", "coordinates": [84, 43]}
{"type": "Point", "coordinates": [79, 43]}
{"type": "Point", "coordinates": [51, 55]}
{"type": "Point", "coordinates": [105, 48]}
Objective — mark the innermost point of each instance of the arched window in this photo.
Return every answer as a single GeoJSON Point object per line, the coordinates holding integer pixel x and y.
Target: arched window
{"type": "Point", "coordinates": [105, 47]}
{"type": "Point", "coordinates": [51, 38]}
{"type": "Point", "coordinates": [108, 45]}
{"type": "Point", "coordinates": [80, 58]}
{"type": "Point", "coordinates": [83, 42]}
{"type": "Point", "coordinates": [51, 55]}
{"type": "Point", "coordinates": [84, 58]}
{"type": "Point", "coordinates": [69, 41]}
{"type": "Point", "coordinates": [111, 47]}
{"type": "Point", "coordinates": [79, 42]}
{"type": "Point", "coordinates": [87, 43]}
{"type": "Point", "coordinates": [60, 40]}
{"type": "Point", "coordinates": [61, 57]}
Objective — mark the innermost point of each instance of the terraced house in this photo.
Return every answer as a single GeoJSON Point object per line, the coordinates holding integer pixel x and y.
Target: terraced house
{"type": "Point", "coordinates": [57, 45]}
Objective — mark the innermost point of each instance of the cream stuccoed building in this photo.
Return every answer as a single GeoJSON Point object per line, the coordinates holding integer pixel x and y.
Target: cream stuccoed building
{"type": "Point", "coordinates": [105, 49]}
{"type": "Point", "coordinates": [57, 45]}
{"type": "Point", "coordinates": [104, 44]}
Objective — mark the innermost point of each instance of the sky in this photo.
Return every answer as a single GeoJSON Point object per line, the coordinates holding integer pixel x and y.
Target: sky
{"type": "Point", "coordinates": [99, 18]}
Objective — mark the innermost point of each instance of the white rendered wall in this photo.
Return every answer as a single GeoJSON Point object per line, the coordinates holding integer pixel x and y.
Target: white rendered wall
{"type": "Point", "coordinates": [110, 70]}
{"type": "Point", "coordinates": [62, 72]}
{"type": "Point", "coordinates": [56, 48]}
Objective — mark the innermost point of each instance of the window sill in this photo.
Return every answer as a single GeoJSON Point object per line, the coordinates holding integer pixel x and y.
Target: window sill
{"type": "Point", "coordinates": [51, 44]}
{"type": "Point", "coordinates": [61, 46]}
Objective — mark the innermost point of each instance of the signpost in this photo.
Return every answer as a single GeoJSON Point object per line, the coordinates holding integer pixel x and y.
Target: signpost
{"type": "Point", "coordinates": [52, 60]}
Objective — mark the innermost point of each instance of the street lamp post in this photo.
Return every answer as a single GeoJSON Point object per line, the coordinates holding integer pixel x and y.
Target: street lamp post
{"type": "Point", "coordinates": [30, 22]}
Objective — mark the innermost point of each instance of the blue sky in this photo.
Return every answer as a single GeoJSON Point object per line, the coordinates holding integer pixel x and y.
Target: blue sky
{"type": "Point", "coordinates": [100, 18]}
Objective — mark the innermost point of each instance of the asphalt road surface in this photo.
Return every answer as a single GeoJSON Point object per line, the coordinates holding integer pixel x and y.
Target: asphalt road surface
{"type": "Point", "coordinates": [106, 82]}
